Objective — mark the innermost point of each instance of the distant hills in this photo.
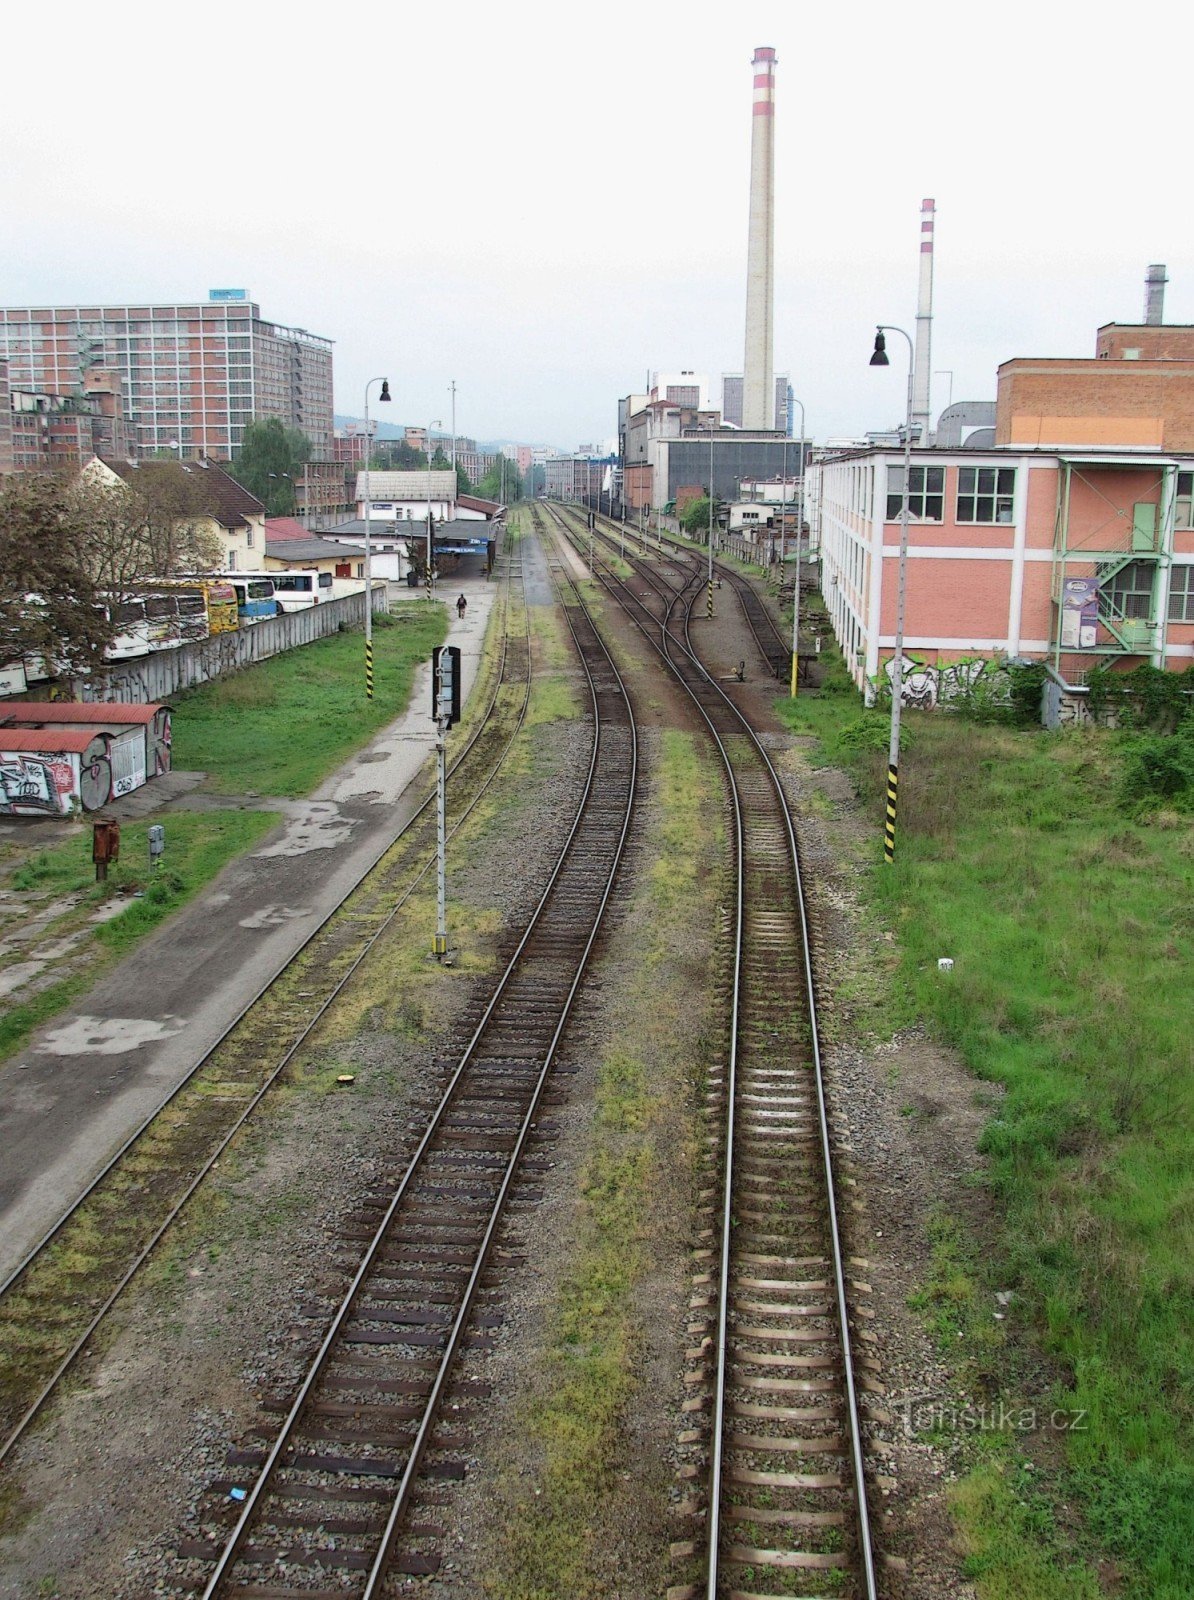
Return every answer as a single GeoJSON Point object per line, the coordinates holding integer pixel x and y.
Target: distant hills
{"type": "Point", "coordinates": [391, 430]}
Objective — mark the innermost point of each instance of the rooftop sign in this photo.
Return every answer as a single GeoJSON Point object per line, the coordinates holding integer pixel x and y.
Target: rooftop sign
{"type": "Point", "coordinates": [227, 294]}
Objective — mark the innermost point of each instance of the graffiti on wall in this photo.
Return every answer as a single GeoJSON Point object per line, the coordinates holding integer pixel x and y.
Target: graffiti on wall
{"type": "Point", "coordinates": [927, 685]}
{"type": "Point", "coordinates": [34, 786]}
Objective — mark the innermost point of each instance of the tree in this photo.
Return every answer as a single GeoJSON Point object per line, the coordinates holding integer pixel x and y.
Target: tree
{"type": "Point", "coordinates": [490, 486]}
{"type": "Point", "coordinates": [50, 604]}
{"type": "Point", "coordinates": [153, 524]}
{"type": "Point", "coordinates": [270, 462]}
{"type": "Point", "coordinates": [695, 518]}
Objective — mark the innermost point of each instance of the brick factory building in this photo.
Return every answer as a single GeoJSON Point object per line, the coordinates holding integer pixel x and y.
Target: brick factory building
{"type": "Point", "coordinates": [1069, 541]}
{"type": "Point", "coordinates": [192, 376]}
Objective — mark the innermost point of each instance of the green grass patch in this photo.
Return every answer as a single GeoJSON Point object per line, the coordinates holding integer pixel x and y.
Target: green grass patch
{"type": "Point", "coordinates": [198, 845]}
{"type": "Point", "coordinates": [281, 726]}
{"type": "Point", "coordinates": [555, 1532]}
{"type": "Point", "coordinates": [1069, 923]}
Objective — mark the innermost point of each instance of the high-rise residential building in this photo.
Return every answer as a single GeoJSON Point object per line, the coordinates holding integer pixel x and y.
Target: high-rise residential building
{"type": "Point", "coordinates": [731, 400]}
{"type": "Point", "coordinates": [192, 375]}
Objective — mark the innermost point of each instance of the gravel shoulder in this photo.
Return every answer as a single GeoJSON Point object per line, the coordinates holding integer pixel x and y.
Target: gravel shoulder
{"type": "Point", "coordinates": [103, 1493]}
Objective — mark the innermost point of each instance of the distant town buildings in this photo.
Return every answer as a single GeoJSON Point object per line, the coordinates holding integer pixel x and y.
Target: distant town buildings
{"type": "Point", "coordinates": [190, 376]}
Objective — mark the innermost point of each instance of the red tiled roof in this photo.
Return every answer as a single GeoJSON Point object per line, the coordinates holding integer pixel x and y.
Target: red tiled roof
{"type": "Point", "coordinates": [473, 502]}
{"type": "Point", "coordinates": [285, 528]}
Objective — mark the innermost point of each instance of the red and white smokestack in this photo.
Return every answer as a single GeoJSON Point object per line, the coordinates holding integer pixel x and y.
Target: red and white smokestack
{"type": "Point", "coordinates": [758, 382]}
{"type": "Point", "coordinates": [922, 365]}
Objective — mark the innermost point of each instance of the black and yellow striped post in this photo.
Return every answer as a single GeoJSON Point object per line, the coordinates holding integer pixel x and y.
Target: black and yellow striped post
{"type": "Point", "coordinates": [709, 602]}
{"type": "Point", "coordinates": [369, 668]}
{"type": "Point", "coordinates": [890, 819]}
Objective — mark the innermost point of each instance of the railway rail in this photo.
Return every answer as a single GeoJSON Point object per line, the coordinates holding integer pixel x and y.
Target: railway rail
{"type": "Point", "coordinates": [774, 644]}
{"type": "Point", "coordinates": [341, 1497]}
{"type": "Point", "coordinates": [785, 1475]}
{"type": "Point", "coordinates": [54, 1301]}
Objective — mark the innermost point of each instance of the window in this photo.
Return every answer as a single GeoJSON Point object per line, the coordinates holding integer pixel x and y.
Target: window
{"type": "Point", "coordinates": [1131, 590]}
{"type": "Point", "coordinates": [1184, 507]}
{"type": "Point", "coordinates": [926, 497]}
{"type": "Point", "coordinates": [1181, 593]}
{"type": "Point", "coordinates": [985, 494]}
{"type": "Point", "coordinates": [249, 537]}
{"type": "Point", "coordinates": [231, 561]}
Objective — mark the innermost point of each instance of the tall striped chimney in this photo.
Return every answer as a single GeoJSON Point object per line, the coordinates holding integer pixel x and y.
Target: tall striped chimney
{"type": "Point", "coordinates": [758, 383]}
{"type": "Point", "coordinates": [921, 366]}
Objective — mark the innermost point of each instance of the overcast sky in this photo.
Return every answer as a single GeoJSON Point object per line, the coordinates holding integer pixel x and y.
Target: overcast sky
{"type": "Point", "coordinates": [543, 201]}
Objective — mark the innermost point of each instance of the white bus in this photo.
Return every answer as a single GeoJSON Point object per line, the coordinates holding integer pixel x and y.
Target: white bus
{"type": "Point", "coordinates": [294, 591]}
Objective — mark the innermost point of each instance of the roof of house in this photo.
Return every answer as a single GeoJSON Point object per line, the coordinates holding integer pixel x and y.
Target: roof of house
{"type": "Point", "coordinates": [232, 505]}
{"type": "Point", "coordinates": [50, 741]}
{"type": "Point", "coordinates": [472, 502]}
{"type": "Point", "coordinates": [32, 713]}
{"type": "Point", "coordinates": [285, 528]}
{"type": "Point", "coordinates": [290, 551]}
{"type": "Point", "coordinates": [408, 485]}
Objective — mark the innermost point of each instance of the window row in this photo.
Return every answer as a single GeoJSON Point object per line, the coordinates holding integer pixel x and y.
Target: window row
{"type": "Point", "coordinates": [985, 494]}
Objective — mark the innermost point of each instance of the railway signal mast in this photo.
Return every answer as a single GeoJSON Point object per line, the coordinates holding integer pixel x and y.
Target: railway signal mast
{"type": "Point", "coordinates": [445, 711]}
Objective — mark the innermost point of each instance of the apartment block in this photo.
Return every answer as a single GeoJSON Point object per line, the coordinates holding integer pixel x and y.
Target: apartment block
{"type": "Point", "coordinates": [192, 375]}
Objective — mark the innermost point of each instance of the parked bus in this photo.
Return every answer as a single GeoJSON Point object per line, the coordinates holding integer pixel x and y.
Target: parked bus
{"type": "Point", "coordinates": [131, 638]}
{"type": "Point", "coordinates": [215, 597]}
{"type": "Point", "coordinates": [296, 591]}
{"type": "Point", "coordinates": [255, 598]}
{"type": "Point", "coordinates": [161, 615]}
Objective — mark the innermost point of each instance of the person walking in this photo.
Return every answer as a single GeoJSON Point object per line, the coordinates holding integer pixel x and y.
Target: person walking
{"type": "Point", "coordinates": [461, 606]}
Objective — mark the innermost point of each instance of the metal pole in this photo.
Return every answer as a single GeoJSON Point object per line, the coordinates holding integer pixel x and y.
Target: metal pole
{"type": "Point", "coordinates": [453, 392]}
{"type": "Point", "coordinates": [897, 674]}
{"type": "Point", "coordinates": [385, 395]}
{"type": "Point", "coordinates": [799, 540]}
{"type": "Point", "coordinates": [368, 568]}
{"type": "Point", "coordinates": [441, 840]}
{"type": "Point", "coordinates": [709, 601]}
{"type": "Point", "coordinates": [437, 423]}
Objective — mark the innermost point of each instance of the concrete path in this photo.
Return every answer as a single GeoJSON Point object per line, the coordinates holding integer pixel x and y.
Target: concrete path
{"type": "Point", "coordinates": [85, 1082]}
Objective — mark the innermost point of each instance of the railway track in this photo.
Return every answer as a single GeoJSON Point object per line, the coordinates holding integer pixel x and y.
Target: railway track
{"type": "Point", "coordinates": [55, 1300]}
{"type": "Point", "coordinates": [345, 1492]}
{"type": "Point", "coordinates": [784, 1498]}
{"type": "Point", "coordinates": [775, 646]}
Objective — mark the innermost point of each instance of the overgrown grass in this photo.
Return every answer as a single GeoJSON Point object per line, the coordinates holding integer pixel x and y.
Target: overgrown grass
{"type": "Point", "coordinates": [281, 726]}
{"type": "Point", "coordinates": [555, 1538]}
{"type": "Point", "coordinates": [198, 846]}
{"type": "Point", "coordinates": [1070, 926]}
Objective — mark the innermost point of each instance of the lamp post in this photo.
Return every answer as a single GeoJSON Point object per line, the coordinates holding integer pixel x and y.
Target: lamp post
{"type": "Point", "coordinates": [799, 540]}
{"type": "Point", "coordinates": [384, 396]}
{"type": "Point", "coordinates": [437, 423]}
{"type": "Point", "coordinates": [709, 600]}
{"type": "Point", "coordinates": [879, 359]}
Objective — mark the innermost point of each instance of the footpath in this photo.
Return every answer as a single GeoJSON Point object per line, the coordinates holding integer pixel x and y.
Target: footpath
{"type": "Point", "coordinates": [87, 1080]}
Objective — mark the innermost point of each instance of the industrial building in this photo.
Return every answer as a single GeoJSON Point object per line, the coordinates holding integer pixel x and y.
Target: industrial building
{"type": "Point", "coordinates": [191, 376]}
{"type": "Point", "coordinates": [1070, 541]}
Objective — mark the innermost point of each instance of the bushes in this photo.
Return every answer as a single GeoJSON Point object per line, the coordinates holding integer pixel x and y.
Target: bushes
{"type": "Point", "coordinates": [1158, 770]}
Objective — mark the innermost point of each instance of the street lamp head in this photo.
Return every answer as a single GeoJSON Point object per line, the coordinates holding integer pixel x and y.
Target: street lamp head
{"type": "Point", "coordinates": [385, 389]}
{"type": "Point", "coordinates": [879, 359]}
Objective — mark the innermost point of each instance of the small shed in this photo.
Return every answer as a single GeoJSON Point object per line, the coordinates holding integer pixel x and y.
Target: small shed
{"type": "Point", "coordinates": [78, 754]}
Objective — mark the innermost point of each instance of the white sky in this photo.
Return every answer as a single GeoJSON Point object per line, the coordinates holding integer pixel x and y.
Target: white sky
{"type": "Point", "coordinates": [542, 201]}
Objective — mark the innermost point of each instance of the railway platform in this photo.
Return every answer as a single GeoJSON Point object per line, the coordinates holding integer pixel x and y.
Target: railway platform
{"type": "Point", "coordinates": [93, 1074]}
